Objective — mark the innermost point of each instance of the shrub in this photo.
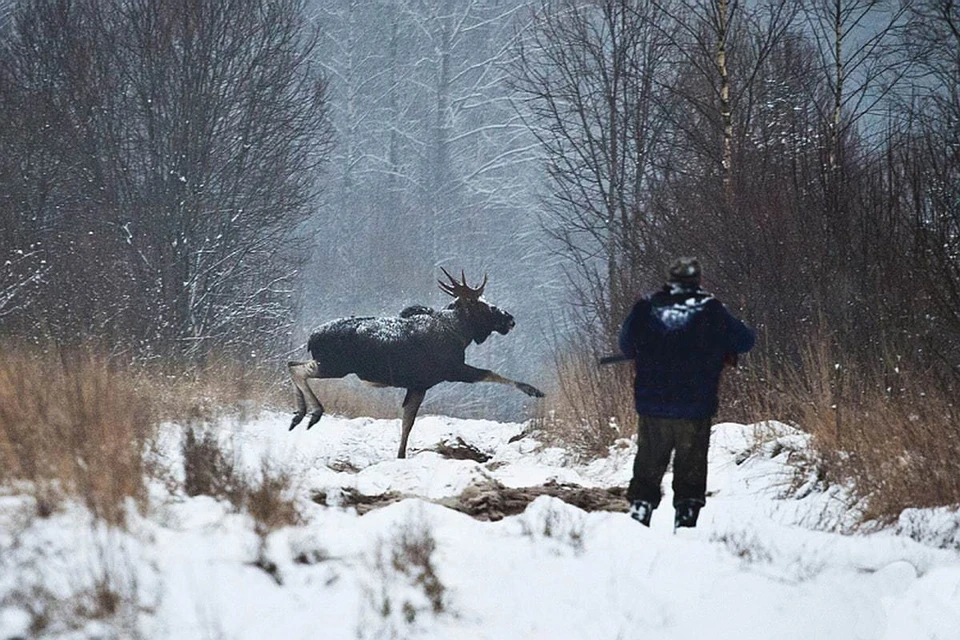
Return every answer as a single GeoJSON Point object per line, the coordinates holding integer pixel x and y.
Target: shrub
{"type": "Point", "coordinates": [411, 554]}
{"type": "Point", "coordinates": [269, 500]}
{"type": "Point", "coordinates": [593, 405]}
{"type": "Point", "coordinates": [405, 590]}
{"type": "Point", "coordinates": [207, 470]}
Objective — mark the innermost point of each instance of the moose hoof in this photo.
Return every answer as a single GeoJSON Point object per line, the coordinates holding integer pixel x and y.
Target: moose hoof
{"type": "Point", "coordinates": [314, 418]}
{"type": "Point", "coordinates": [530, 390]}
{"type": "Point", "coordinates": [297, 417]}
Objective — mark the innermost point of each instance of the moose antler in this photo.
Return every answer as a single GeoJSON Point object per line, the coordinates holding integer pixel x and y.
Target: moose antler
{"type": "Point", "coordinates": [461, 289]}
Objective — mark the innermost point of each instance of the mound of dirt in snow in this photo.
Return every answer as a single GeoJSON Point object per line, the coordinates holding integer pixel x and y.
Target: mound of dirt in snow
{"type": "Point", "coordinates": [491, 501]}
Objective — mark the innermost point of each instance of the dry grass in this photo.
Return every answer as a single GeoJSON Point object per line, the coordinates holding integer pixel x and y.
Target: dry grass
{"type": "Point", "coordinates": [405, 586]}
{"type": "Point", "coordinates": [886, 429]}
{"type": "Point", "coordinates": [87, 584]}
{"type": "Point", "coordinates": [412, 554]}
{"type": "Point", "coordinates": [198, 393]}
{"type": "Point", "coordinates": [593, 405]}
{"type": "Point", "coordinates": [270, 500]}
{"type": "Point", "coordinates": [210, 469]}
{"type": "Point", "coordinates": [201, 393]}
{"type": "Point", "coordinates": [71, 424]}
{"type": "Point", "coordinates": [745, 545]}
{"type": "Point", "coordinates": [74, 424]}
{"type": "Point", "coordinates": [354, 399]}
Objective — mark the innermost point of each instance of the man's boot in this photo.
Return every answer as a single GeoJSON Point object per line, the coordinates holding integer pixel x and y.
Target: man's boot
{"type": "Point", "coordinates": [687, 513]}
{"type": "Point", "coordinates": [641, 510]}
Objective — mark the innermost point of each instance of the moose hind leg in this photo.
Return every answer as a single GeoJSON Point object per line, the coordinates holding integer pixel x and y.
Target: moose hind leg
{"type": "Point", "coordinates": [411, 404]}
{"type": "Point", "coordinates": [300, 372]}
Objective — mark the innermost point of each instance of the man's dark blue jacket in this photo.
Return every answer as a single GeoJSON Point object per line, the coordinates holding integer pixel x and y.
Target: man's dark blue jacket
{"type": "Point", "coordinates": [679, 338]}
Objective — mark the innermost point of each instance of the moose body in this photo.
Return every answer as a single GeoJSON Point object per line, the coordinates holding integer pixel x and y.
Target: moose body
{"type": "Point", "coordinates": [412, 353]}
{"type": "Point", "coordinates": [415, 351]}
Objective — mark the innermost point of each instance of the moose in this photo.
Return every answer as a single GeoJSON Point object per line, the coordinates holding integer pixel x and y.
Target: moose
{"type": "Point", "coordinates": [415, 351]}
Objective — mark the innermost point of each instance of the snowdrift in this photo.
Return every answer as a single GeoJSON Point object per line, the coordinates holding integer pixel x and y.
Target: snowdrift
{"type": "Point", "coordinates": [390, 548]}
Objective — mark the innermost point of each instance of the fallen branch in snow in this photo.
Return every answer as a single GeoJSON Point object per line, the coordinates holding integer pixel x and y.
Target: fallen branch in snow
{"type": "Point", "coordinates": [493, 501]}
{"type": "Point", "coordinates": [350, 497]}
{"type": "Point", "coordinates": [460, 450]}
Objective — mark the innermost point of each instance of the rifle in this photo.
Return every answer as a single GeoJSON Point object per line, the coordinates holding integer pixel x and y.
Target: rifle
{"type": "Point", "coordinates": [731, 359]}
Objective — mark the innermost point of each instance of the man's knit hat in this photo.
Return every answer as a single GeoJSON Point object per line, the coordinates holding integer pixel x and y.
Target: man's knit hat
{"type": "Point", "coordinates": [684, 272]}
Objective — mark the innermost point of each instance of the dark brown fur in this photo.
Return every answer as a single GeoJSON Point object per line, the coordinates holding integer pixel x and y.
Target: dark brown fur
{"type": "Point", "coordinates": [414, 351]}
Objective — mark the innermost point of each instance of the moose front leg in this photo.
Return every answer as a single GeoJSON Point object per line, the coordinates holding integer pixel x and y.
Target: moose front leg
{"type": "Point", "coordinates": [473, 374]}
{"type": "Point", "coordinates": [411, 404]}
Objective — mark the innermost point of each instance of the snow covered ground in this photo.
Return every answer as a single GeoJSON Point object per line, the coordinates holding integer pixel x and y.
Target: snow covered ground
{"type": "Point", "coordinates": [756, 567]}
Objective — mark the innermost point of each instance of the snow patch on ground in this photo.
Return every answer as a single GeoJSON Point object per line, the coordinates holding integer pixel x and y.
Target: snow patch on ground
{"type": "Point", "coordinates": [757, 566]}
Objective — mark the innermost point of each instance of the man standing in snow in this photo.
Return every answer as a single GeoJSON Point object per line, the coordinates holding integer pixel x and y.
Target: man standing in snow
{"type": "Point", "coordinates": [679, 338]}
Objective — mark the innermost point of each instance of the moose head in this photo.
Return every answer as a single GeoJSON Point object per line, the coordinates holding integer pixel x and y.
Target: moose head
{"type": "Point", "coordinates": [483, 318]}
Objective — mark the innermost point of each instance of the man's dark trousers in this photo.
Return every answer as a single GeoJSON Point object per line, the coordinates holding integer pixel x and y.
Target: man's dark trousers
{"type": "Point", "coordinates": [656, 438]}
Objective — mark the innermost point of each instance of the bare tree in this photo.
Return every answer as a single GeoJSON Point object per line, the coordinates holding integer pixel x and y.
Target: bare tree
{"type": "Point", "coordinates": [589, 74]}
{"type": "Point", "coordinates": [930, 155]}
{"type": "Point", "coordinates": [860, 60]}
{"type": "Point", "coordinates": [231, 120]}
{"type": "Point", "coordinates": [434, 163]}
{"type": "Point", "coordinates": [193, 134]}
{"type": "Point", "coordinates": [722, 46]}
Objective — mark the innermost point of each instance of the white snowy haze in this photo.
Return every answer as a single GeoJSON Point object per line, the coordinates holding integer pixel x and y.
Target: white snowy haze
{"type": "Point", "coordinates": [433, 167]}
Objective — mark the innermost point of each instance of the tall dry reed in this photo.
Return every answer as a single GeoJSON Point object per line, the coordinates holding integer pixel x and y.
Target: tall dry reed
{"type": "Point", "coordinates": [592, 405]}
{"type": "Point", "coordinates": [887, 428]}
{"type": "Point", "coordinates": [71, 424]}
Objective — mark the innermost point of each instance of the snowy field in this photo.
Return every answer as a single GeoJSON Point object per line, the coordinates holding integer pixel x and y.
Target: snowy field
{"type": "Point", "coordinates": [755, 568]}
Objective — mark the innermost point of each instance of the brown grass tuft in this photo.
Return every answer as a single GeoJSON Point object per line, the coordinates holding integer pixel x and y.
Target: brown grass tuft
{"type": "Point", "coordinates": [411, 552]}
{"type": "Point", "coordinates": [270, 501]}
{"type": "Point", "coordinates": [211, 470]}
{"type": "Point", "coordinates": [72, 424]}
{"type": "Point", "coordinates": [207, 469]}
